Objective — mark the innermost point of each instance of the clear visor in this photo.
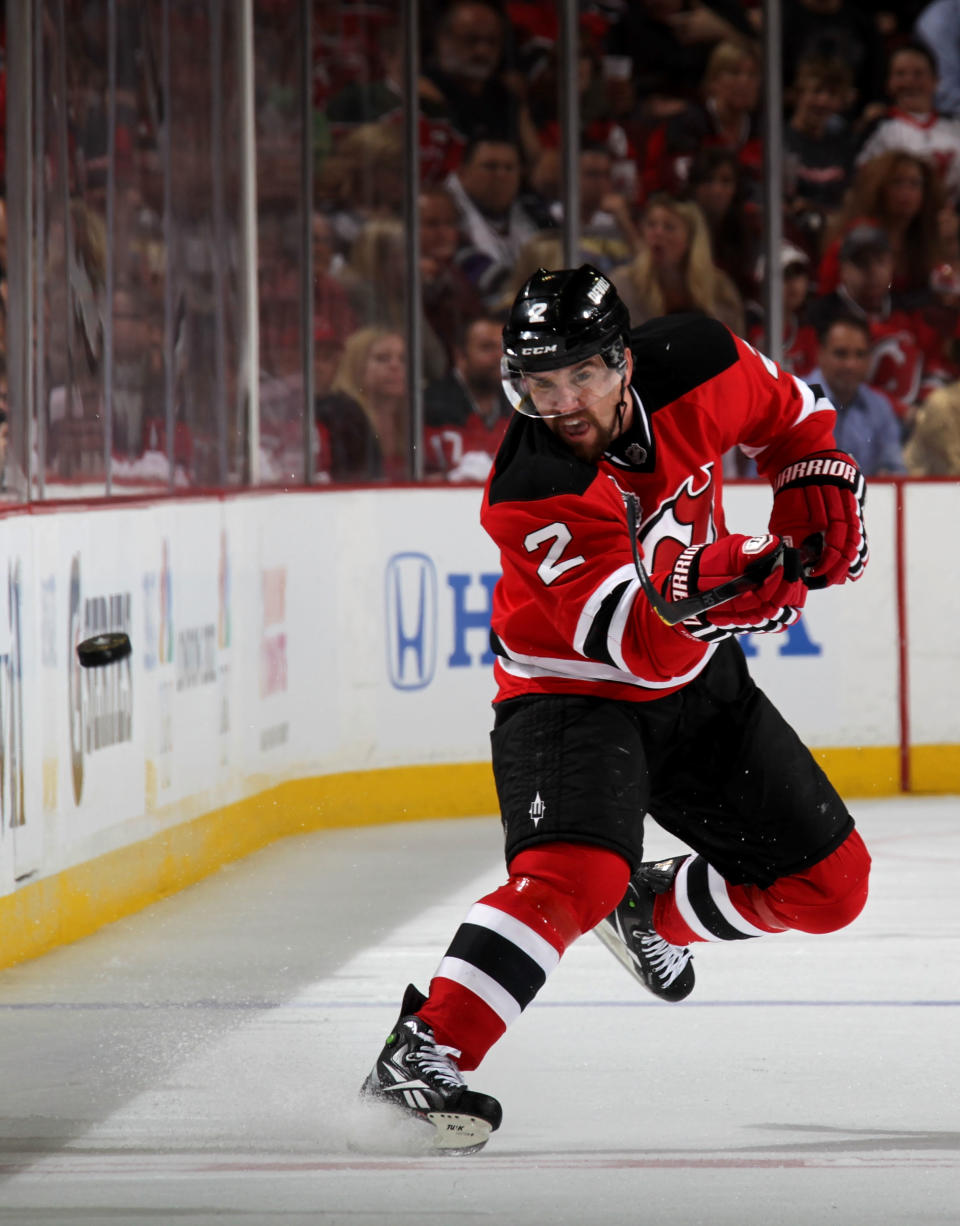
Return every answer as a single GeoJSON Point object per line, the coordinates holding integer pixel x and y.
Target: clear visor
{"type": "Point", "coordinates": [555, 393]}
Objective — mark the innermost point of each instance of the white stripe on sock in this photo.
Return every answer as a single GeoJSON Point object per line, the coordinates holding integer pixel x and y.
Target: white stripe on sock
{"type": "Point", "coordinates": [685, 907]}
{"type": "Point", "coordinates": [532, 944]}
{"type": "Point", "coordinates": [718, 892]}
{"type": "Point", "coordinates": [481, 984]}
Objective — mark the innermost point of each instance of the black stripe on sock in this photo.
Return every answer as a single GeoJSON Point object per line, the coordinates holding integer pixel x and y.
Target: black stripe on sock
{"type": "Point", "coordinates": [707, 911]}
{"type": "Point", "coordinates": [498, 957]}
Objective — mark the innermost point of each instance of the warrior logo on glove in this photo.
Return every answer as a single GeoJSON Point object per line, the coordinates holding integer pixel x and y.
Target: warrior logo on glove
{"type": "Point", "coordinates": [822, 495]}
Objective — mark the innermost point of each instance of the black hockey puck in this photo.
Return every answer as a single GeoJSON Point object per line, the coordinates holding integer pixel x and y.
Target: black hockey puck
{"type": "Point", "coordinates": [104, 649]}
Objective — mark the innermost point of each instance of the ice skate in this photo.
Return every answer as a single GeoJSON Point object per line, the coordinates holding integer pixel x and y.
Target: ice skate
{"type": "Point", "coordinates": [665, 970]}
{"type": "Point", "coordinates": [419, 1076]}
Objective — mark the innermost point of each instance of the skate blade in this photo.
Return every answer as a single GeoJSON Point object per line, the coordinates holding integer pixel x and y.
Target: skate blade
{"type": "Point", "coordinates": [606, 935]}
{"type": "Point", "coordinates": [455, 1133]}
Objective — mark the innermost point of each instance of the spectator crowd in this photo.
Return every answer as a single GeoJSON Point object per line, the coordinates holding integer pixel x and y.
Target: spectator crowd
{"type": "Point", "coordinates": [670, 199]}
{"type": "Point", "coordinates": [671, 207]}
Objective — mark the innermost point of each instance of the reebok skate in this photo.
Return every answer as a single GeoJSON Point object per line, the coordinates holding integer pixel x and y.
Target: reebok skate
{"type": "Point", "coordinates": [665, 970]}
{"type": "Point", "coordinates": [418, 1075]}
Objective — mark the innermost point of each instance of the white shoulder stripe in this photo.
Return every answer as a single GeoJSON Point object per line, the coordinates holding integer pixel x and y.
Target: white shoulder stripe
{"type": "Point", "coordinates": [809, 404]}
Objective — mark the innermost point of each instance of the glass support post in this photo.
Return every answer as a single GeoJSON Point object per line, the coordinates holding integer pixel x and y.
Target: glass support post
{"type": "Point", "coordinates": [772, 289]}
{"type": "Point", "coordinates": [570, 129]}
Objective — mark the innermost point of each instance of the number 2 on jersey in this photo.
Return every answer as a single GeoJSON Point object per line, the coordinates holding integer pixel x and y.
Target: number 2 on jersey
{"type": "Point", "coordinates": [551, 567]}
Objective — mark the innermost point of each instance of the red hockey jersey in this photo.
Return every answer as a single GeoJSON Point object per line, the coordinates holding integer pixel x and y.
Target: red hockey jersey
{"type": "Point", "coordinates": [568, 612]}
{"type": "Point", "coordinates": [906, 358]}
{"type": "Point", "coordinates": [463, 451]}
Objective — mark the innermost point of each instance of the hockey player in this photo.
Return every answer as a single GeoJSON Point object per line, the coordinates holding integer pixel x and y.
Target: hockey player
{"type": "Point", "coordinates": [605, 712]}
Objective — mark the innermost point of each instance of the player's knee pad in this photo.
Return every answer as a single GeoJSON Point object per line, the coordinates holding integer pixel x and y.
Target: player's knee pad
{"type": "Point", "coordinates": [569, 886]}
{"type": "Point", "coordinates": [828, 895]}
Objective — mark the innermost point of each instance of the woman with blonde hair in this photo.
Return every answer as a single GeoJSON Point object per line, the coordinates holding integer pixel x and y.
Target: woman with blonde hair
{"type": "Point", "coordinates": [933, 448]}
{"type": "Point", "coordinates": [378, 271]}
{"type": "Point", "coordinates": [674, 269]}
{"type": "Point", "coordinates": [726, 116]}
{"type": "Point", "coordinates": [362, 178]}
{"type": "Point", "coordinates": [543, 250]}
{"type": "Point", "coordinates": [367, 414]}
{"type": "Point", "coordinates": [375, 275]}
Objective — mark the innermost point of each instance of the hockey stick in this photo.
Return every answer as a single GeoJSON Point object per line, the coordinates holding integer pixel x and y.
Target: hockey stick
{"type": "Point", "coordinates": [674, 611]}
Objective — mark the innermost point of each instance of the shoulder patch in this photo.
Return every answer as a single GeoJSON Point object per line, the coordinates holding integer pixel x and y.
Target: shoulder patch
{"type": "Point", "coordinates": [532, 464]}
{"type": "Point", "coordinates": [676, 353]}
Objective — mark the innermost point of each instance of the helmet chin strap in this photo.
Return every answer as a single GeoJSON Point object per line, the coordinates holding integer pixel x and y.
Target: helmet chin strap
{"type": "Point", "coordinates": [621, 407]}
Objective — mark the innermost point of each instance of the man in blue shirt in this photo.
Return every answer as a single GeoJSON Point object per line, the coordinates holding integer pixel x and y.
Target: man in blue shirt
{"type": "Point", "coordinates": [938, 25]}
{"type": "Point", "coordinates": [867, 425]}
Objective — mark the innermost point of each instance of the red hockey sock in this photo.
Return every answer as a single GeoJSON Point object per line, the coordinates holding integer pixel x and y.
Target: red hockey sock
{"type": "Point", "coordinates": [824, 897]}
{"type": "Point", "coordinates": [701, 906]}
{"type": "Point", "coordinates": [511, 939]}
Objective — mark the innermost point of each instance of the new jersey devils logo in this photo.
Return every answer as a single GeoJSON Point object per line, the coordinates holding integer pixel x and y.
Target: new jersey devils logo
{"type": "Point", "coordinates": [896, 365]}
{"type": "Point", "coordinates": [683, 520]}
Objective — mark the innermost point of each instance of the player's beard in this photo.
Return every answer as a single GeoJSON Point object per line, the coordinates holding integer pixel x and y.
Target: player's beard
{"type": "Point", "coordinates": [592, 442]}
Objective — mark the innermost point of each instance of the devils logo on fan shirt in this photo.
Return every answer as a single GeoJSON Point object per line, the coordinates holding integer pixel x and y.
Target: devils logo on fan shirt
{"type": "Point", "coordinates": [896, 365]}
{"type": "Point", "coordinates": [906, 357]}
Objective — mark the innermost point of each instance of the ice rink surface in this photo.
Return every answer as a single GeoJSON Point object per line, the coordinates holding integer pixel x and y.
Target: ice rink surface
{"type": "Point", "coordinates": [198, 1063]}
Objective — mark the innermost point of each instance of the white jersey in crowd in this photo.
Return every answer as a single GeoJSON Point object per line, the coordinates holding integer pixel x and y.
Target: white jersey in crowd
{"type": "Point", "coordinates": [932, 136]}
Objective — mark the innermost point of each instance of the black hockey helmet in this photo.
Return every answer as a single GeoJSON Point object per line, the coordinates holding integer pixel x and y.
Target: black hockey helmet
{"type": "Point", "coordinates": [558, 319]}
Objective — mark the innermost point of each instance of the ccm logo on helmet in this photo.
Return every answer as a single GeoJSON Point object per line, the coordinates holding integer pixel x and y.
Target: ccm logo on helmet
{"type": "Point", "coordinates": [531, 351]}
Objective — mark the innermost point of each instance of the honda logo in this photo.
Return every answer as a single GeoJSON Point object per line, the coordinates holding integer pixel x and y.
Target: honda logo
{"type": "Point", "coordinates": [411, 617]}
